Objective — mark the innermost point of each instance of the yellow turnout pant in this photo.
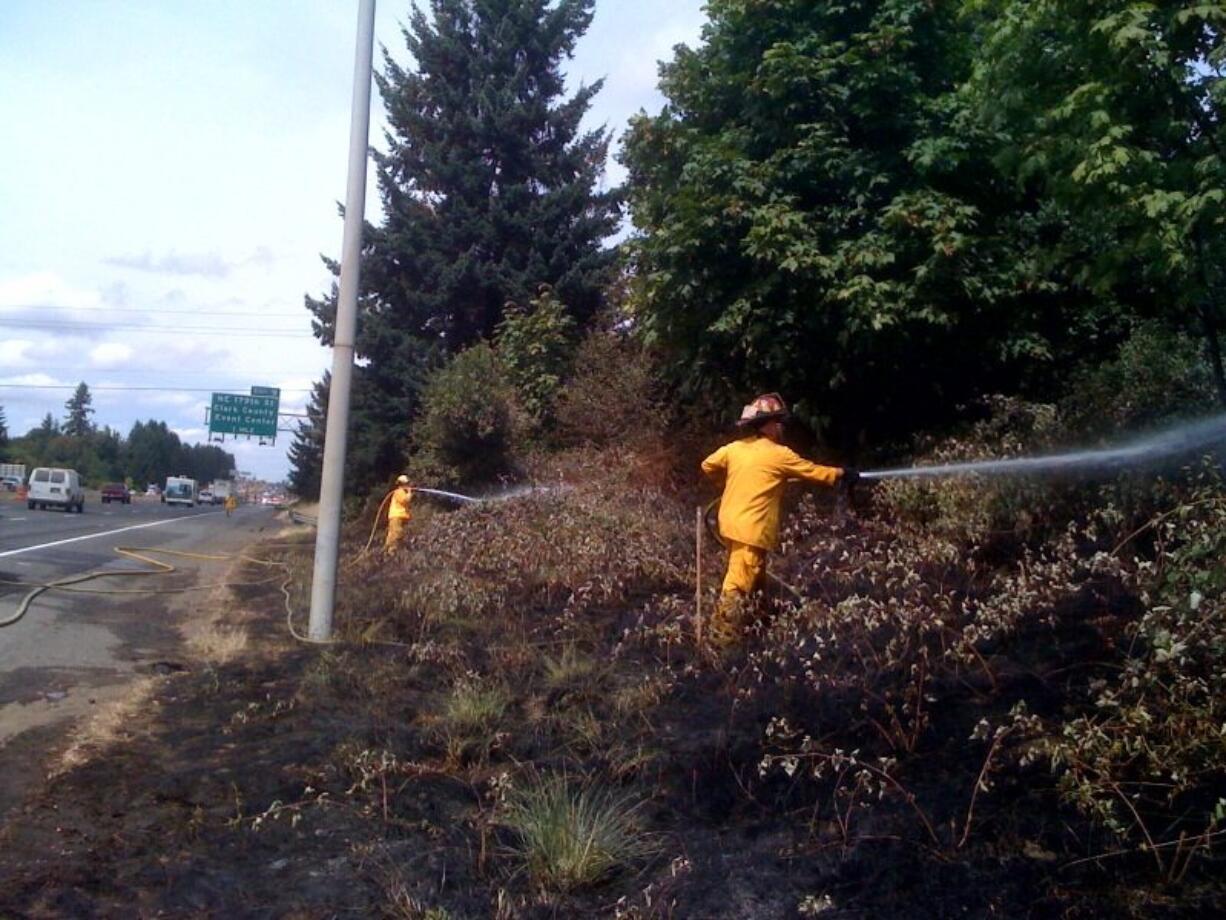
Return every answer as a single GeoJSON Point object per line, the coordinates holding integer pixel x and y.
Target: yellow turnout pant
{"type": "Point", "coordinates": [745, 566]}
{"type": "Point", "coordinates": [395, 532]}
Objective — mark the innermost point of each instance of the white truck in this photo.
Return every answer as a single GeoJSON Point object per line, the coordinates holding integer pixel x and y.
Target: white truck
{"type": "Point", "coordinates": [180, 491]}
{"type": "Point", "coordinates": [222, 489]}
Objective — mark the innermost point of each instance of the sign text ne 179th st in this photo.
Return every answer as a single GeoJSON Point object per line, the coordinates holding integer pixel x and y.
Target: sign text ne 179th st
{"type": "Point", "coordinates": [255, 416]}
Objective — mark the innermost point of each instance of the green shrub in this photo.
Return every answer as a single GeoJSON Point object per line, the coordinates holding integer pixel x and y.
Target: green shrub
{"type": "Point", "coordinates": [1150, 760]}
{"type": "Point", "coordinates": [536, 345]}
{"type": "Point", "coordinates": [1159, 375]}
{"type": "Point", "coordinates": [467, 426]}
{"type": "Point", "coordinates": [613, 396]}
{"type": "Point", "coordinates": [971, 507]}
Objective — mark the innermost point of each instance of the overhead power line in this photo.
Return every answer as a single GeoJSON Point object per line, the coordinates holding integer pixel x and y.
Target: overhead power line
{"type": "Point", "coordinates": [86, 326]}
{"type": "Point", "coordinates": [144, 310]}
{"type": "Point", "coordinates": [93, 389]}
{"type": "Point", "coordinates": [58, 370]}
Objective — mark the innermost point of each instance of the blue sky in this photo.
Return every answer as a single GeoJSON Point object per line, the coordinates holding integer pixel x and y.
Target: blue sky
{"type": "Point", "coordinates": [177, 164]}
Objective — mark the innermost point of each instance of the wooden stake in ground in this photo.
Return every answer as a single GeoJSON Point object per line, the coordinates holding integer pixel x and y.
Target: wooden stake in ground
{"type": "Point", "coordinates": [698, 575]}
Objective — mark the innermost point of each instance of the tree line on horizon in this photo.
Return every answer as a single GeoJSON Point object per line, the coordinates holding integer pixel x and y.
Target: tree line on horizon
{"type": "Point", "coordinates": [150, 452]}
{"type": "Point", "coordinates": [885, 209]}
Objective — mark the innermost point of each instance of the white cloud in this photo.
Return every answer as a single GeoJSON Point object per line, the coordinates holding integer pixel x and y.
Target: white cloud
{"type": "Point", "coordinates": [44, 289]}
{"type": "Point", "coordinates": [109, 355]}
{"type": "Point", "coordinates": [33, 380]}
{"type": "Point", "coordinates": [205, 264]}
{"type": "Point", "coordinates": [13, 353]}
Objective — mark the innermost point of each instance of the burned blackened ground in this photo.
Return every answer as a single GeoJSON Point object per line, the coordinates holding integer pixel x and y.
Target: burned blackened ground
{"type": "Point", "coordinates": [552, 637]}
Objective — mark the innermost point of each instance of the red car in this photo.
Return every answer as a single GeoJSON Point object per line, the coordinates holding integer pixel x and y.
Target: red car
{"type": "Point", "coordinates": [115, 492]}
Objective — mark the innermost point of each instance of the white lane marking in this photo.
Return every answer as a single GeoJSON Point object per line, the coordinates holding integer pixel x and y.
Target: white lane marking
{"type": "Point", "coordinates": [17, 519]}
{"type": "Point", "coordinates": [104, 533]}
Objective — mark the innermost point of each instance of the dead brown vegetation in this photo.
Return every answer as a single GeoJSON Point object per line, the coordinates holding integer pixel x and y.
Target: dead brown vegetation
{"type": "Point", "coordinates": [517, 690]}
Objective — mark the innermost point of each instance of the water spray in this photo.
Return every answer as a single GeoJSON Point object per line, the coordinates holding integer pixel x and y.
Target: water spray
{"type": "Point", "coordinates": [504, 495]}
{"type": "Point", "coordinates": [1185, 439]}
{"type": "Point", "coordinates": [443, 493]}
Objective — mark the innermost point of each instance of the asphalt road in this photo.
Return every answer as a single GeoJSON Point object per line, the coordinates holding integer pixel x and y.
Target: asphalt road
{"type": "Point", "coordinates": [71, 651]}
{"type": "Point", "coordinates": [39, 545]}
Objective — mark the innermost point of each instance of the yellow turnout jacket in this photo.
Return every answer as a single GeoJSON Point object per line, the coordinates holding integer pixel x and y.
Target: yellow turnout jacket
{"type": "Point", "coordinates": [755, 469]}
{"type": "Point", "coordinates": [399, 507]}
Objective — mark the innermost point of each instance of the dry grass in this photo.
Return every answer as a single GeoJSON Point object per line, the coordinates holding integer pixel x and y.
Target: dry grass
{"type": "Point", "coordinates": [216, 643]}
{"type": "Point", "coordinates": [571, 668]}
{"type": "Point", "coordinates": [471, 720]}
{"type": "Point", "coordinates": [637, 699]}
{"type": "Point", "coordinates": [109, 725]}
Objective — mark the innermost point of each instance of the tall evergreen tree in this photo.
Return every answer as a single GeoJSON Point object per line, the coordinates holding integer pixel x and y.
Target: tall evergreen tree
{"type": "Point", "coordinates": [154, 452]}
{"type": "Point", "coordinates": [79, 406]}
{"type": "Point", "coordinates": [306, 451]}
{"type": "Point", "coordinates": [489, 189]}
{"type": "Point", "coordinates": [4, 429]}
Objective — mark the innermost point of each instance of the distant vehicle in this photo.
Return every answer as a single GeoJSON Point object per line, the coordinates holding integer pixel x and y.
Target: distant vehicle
{"type": "Point", "coordinates": [207, 498]}
{"type": "Point", "coordinates": [153, 489]}
{"type": "Point", "coordinates": [115, 492]}
{"type": "Point", "coordinates": [222, 489]}
{"type": "Point", "coordinates": [180, 491]}
{"type": "Point", "coordinates": [10, 472]}
{"type": "Point", "coordinates": [55, 486]}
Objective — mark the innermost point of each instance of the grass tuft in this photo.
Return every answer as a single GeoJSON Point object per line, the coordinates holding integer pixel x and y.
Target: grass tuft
{"type": "Point", "coordinates": [216, 643]}
{"type": "Point", "coordinates": [572, 833]}
{"type": "Point", "coordinates": [474, 707]}
{"type": "Point", "coordinates": [471, 717]}
{"type": "Point", "coordinates": [569, 668]}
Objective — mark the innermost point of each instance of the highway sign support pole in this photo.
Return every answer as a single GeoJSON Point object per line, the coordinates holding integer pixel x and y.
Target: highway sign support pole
{"type": "Point", "coordinates": [327, 539]}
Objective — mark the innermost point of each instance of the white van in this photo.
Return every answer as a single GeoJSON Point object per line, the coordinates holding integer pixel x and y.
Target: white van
{"type": "Point", "coordinates": [53, 486]}
{"type": "Point", "coordinates": [180, 491]}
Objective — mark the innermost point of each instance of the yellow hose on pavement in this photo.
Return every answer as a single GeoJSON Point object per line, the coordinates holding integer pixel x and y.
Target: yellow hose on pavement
{"type": "Point", "coordinates": [145, 554]}
{"type": "Point", "coordinates": [139, 554]}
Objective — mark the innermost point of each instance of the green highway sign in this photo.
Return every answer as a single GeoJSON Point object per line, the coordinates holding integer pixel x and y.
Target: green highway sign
{"type": "Point", "coordinates": [233, 413]}
{"type": "Point", "coordinates": [266, 391]}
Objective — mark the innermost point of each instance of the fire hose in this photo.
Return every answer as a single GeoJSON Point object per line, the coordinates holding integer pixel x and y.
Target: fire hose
{"type": "Point", "coordinates": [140, 554]}
{"type": "Point", "coordinates": [374, 525]}
{"type": "Point", "coordinates": [144, 554]}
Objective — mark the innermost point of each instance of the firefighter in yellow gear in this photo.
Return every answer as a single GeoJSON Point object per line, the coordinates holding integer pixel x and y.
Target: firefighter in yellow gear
{"type": "Point", "coordinates": [398, 513]}
{"type": "Point", "coordinates": [754, 469]}
{"type": "Point", "coordinates": [230, 504]}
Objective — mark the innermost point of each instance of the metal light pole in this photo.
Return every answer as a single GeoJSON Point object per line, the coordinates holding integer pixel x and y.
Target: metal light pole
{"type": "Point", "coordinates": [327, 538]}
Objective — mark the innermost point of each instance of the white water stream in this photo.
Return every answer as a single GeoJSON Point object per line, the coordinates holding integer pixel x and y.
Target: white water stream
{"type": "Point", "coordinates": [505, 495]}
{"type": "Point", "coordinates": [1175, 442]}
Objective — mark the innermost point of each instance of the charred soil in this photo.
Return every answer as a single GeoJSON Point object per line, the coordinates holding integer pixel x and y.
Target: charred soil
{"type": "Point", "coordinates": [516, 722]}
